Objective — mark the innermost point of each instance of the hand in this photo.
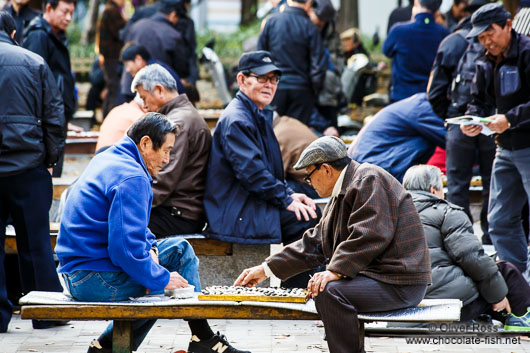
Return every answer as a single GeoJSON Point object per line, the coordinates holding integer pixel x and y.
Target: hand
{"type": "Point", "coordinates": [176, 281]}
{"type": "Point", "coordinates": [306, 200]}
{"type": "Point", "coordinates": [331, 131]}
{"type": "Point", "coordinates": [318, 282]}
{"type": "Point", "coordinates": [250, 277]}
{"type": "Point", "coordinates": [504, 304]}
{"type": "Point", "coordinates": [499, 123]}
{"type": "Point", "coordinates": [471, 130]}
{"type": "Point", "coordinates": [154, 256]}
{"type": "Point", "coordinates": [75, 128]}
{"type": "Point", "coordinates": [301, 209]}
{"type": "Point", "coordinates": [50, 170]}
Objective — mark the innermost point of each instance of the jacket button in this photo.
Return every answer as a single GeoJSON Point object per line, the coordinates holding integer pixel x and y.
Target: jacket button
{"type": "Point", "coordinates": [38, 121]}
{"type": "Point", "coordinates": [240, 219]}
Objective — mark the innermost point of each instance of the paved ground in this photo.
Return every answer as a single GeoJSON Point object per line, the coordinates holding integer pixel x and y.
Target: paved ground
{"type": "Point", "coordinates": [257, 336]}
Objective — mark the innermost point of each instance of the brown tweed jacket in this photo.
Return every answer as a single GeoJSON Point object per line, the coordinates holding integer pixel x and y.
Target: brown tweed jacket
{"type": "Point", "coordinates": [372, 228]}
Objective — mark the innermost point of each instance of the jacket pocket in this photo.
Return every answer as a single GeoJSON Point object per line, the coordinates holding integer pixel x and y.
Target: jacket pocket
{"type": "Point", "coordinates": [21, 133]}
{"type": "Point", "coordinates": [509, 80]}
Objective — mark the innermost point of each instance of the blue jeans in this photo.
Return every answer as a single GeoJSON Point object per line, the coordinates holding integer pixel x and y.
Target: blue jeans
{"type": "Point", "coordinates": [175, 254]}
{"type": "Point", "coordinates": [510, 188]}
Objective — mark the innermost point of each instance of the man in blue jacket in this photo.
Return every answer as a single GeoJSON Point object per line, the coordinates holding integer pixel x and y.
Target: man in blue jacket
{"type": "Point", "coordinates": [105, 250]}
{"type": "Point", "coordinates": [296, 45]}
{"type": "Point", "coordinates": [401, 135]}
{"type": "Point", "coordinates": [247, 199]}
{"type": "Point", "coordinates": [32, 137]}
{"type": "Point", "coordinates": [412, 47]}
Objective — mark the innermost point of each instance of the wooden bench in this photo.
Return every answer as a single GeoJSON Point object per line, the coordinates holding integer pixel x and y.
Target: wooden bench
{"type": "Point", "coordinates": [56, 306]}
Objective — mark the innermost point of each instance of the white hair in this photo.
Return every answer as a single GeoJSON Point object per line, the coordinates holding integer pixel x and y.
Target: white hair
{"type": "Point", "coordinates": [153, 75]}
{"type": "Point", "coordinates": [423, 177]}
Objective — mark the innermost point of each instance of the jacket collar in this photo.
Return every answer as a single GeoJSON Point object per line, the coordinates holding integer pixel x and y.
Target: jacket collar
{"type": "Point", "coordinates": [424, 17]}
{"type": "Point", "coordinates": [126, 145]}
{"type": "Point", "coordinates": [4, 38]}
{"type": "Point", "coordinates": [266, 114]}
{"type": "Point", "coordinates": [296, 10]}
{"type": "Point", "coordinates": [177, 102]}
{"type": "Point", "coordinates": [351, 169]}
{"type": "Point", "coordinates": [161, 18]}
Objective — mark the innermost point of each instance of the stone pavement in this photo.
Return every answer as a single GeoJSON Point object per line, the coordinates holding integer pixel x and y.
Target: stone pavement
{"type": "Point", "coordinates": [169, 336]}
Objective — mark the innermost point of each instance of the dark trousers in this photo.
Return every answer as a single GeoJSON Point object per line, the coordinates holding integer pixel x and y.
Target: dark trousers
{"type": "Point", "coordinates": [341, 301]}
{"type": "Point", "coordinates": [27, 197]}
{"type": "Point", "coordinates": [461, 152]}
{"type": "Point", "coordinates": [518, 296]}
{"type": "Point", "coordinates": [165, 221]}
{"type": "Point", "coordinates": [292, 230]}
{"type": "Point", "coordinates": [302, 188]}
{"type": "Point", "coordinates": [295, 103]}
{"type": "Point", "coordinates": [112, 75]}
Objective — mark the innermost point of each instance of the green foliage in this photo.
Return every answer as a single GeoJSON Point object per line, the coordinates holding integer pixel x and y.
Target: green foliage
{"type": "Point", "coordinates": [77, 50]}
{"type": "Point", "coordinates": [229, 46]}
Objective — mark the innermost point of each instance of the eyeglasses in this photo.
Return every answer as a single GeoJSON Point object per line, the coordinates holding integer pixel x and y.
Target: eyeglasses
{"type": "Point", "coordinates": [307, 178]}
{"type": "Point", "coordinates": [263, 79]}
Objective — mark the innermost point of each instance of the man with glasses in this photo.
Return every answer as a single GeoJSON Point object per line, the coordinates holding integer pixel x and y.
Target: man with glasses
{"type": "Point", "coordinates": [370, 240]}
{"type": "Point", "coordinates": [247, 200]}
{"type": "Point", "coordinates": [502, 79]}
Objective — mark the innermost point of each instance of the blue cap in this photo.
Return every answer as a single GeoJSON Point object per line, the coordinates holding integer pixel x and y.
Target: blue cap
{"type": "Point", "coordinates": [485, 17]}
{"type": "Point", "coordinates": [259, 62]}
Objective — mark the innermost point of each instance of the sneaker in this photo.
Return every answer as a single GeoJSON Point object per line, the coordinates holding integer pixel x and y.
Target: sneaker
{"type": "Point", "coordinates": [95, 347]}
{"type": "Point", "coordinates": [217, 344]}
{"type": "Point", "coordinates": [518, 323]}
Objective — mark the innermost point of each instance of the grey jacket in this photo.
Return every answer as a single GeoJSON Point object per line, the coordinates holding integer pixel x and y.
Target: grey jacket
{"type": "Point", "coordinates": [460, 269]}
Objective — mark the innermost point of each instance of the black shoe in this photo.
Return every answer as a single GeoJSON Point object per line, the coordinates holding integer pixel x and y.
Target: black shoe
{"type": "Point", "coordinates": [95, 347]}
{"type": "Point", "coordinates": [218, 343]}
{"type": "Point", "coordinates": [41, 325]}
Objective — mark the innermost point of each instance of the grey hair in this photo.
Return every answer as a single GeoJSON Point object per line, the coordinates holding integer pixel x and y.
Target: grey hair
{"type": "Point", "coordinates": [422, 177]}
{"type": "Point", "coordinates": [153, 75]}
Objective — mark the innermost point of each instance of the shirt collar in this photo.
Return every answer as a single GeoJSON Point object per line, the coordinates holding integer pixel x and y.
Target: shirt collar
{"type": "Point", "coordinates": [338, 184]}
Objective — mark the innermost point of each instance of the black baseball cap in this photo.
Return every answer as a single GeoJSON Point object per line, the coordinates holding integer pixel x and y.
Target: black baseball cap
{"type": "Point", "coordinates": [259, 62]}
{"type": "Point", "coordinates": [485, 17]}
{"type": "Point", "coordinates": [324, 10]}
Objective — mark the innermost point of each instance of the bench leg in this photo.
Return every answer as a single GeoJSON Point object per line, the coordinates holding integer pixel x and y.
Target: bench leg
{"type": "Point", "coordinates": [122, 337]}
{"type": "Point", "coordinates": [361, 335]}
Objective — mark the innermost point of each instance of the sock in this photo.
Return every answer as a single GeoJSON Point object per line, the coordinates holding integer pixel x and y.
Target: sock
{"type": "Point", "coordinates": [201, 329]}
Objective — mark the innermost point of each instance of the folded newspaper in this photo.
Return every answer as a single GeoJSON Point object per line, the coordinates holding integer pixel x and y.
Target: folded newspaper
{"type": "Point", "coordinates": [472, 120]}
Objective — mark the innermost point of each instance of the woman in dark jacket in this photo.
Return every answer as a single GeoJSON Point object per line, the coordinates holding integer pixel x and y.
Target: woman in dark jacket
{"type": "Point", "coordinates": [460, 268]}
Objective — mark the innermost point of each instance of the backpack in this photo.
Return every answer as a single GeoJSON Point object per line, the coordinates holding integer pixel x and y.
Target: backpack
{"type": "Point", "coordinates": [465, 71]}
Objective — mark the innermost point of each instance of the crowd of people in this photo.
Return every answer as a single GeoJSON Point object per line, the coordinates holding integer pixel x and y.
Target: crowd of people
{"type": "Point", "coordinates": [387, 237]}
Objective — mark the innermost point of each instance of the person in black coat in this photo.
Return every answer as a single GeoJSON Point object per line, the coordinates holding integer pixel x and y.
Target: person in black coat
{"type": "Point", "coordinates": [22, 14]}
{"type": "Point", "coordinates": [460, 268]}
{"type": "Point", "coordinates": [31, 139]}
{"type": "Point", "coordinates": [46, 36]}
{"type": "Point", "coordinates": [296, 44]}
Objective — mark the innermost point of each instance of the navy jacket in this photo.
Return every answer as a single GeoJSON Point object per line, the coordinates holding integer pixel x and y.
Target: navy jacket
{"type": "Point", "coordinates": [508, 90]}
{"type": "Point", "coordinates": [412, 47]}
{"type": "Point", "coordinates": [245, 187]}
{"type": "Point", "coordinates": [22, 19]}
{"type": "Point", "coordinates": [296, 46]}
{"type": "Point", "coordinates": [40, 39]}
{"type": "Point", "coordinates": [401, 135]}
{"type": "Point", "coordinates": [31, 110]}
{"type": "Point", "coordinates": [162, 41]}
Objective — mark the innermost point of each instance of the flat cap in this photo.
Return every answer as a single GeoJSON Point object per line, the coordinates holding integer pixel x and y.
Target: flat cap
{"type": "Point", "coordinates": [323, 150]}
{"type": "Point", "coordinates": [485, 17]}
{"type": "Point", "coordinates": [259, 62]}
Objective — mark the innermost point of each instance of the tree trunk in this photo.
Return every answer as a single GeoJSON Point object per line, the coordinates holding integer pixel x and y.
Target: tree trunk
{"type": "Point", "coordinates": [91, 22]}
{"type": "Point", "coordinates": [348, 15]}
{"type": "Point", "coordinates": [249, 9]}
{"type": "Point", "coordinates": [511, 6]}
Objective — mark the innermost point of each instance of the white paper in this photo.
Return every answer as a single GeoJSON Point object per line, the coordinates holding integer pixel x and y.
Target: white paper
{"type": "Point", "coordinates": [472, 120]}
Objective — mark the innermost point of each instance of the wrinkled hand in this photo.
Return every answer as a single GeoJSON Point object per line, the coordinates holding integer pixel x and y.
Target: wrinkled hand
{"type": "Point", "coordinates": [318, 282]}
{"type": "Point", "coordinates": [499, 123]}
{"type": "Point", "coordinates": [176, 281]}
{"type": "Point", "coordinates": [75, 128]}
{"type": "Point", "coordinates": [306, 200]}
{"type": "Point", "coordinates": [502, 305]}
{"type": "Point", "coordinates": [301, 209]}
{"type": "Point", "coordinates": [331, 131]}
{"type": "Point", "coordinates": [250, 277]}
{"type": "Point", "coordinates": [471, 130]}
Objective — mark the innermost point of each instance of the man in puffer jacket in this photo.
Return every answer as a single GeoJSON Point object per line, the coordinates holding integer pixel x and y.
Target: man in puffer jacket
{"type": "Point", "coordinates": [460, 268]}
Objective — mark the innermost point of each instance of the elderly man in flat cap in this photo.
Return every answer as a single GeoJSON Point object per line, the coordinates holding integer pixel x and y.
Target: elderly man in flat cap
{"type": "Point", "coordinates": [370, 239]}
{"type": "Point", "coordinates": [502, 80]}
